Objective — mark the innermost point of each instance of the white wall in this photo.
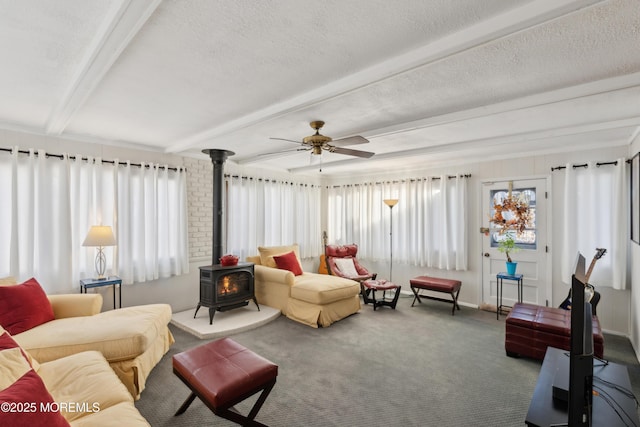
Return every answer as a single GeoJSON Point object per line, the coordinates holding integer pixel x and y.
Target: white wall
{"type": "Point", "coordinates": [614, 306]}
{"type": "Point", "coordinates": [617, 310]}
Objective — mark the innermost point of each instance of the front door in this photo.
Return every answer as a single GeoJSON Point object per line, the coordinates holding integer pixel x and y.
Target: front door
{"type": "Point", "coordinates": [532, 258]}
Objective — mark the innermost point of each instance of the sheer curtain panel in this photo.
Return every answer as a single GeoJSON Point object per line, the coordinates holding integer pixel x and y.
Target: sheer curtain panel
{"type": "Point", "coordinates": [429, 221]}
{"type": "Point", "coordinates": [272, 212]}
{"type": "Point", "coordinates": [52, 202]}
{"type": "Point", "coordinates": [595, 216]}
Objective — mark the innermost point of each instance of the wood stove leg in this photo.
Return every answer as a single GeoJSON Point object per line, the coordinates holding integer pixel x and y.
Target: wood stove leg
{"type": "Point", "coordinates": [196, 313]}
{"type": "Point", "coordinates": [212, 312]}
{"type": "Point", "coordinates": [255, 301]}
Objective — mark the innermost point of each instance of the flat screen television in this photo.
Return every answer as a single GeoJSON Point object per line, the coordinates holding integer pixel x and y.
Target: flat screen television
{"type": "Point", "coordinates": [581, 357]}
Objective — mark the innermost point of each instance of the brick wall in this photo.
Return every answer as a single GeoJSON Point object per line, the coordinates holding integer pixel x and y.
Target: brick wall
{"type": "Point", "coordinates": [200, 207]}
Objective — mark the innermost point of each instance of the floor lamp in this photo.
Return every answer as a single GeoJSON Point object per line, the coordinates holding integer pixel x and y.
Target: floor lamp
{"type": "Point", "coordinates": [391, 203]}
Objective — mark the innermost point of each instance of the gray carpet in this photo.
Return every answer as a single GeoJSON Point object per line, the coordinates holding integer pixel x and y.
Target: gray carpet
{"type": "Point", "coordinates": [415, 366]}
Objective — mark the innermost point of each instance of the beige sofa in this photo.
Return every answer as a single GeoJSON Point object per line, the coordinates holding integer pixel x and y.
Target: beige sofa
{"type": "Point", "coordinates": [310, 298]}
{"type": "Point", "coordinates": [82, 387]}
{"type": "Point", "coordinates": [132, 339]}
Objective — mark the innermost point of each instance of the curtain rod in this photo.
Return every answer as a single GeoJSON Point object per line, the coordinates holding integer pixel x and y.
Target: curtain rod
{"type": "Point", "coordinates": [585, 165]}
{"type": "Point", "coordinates": [112, 162]}
{"type": "Point", "coordinates": [250, 178]}
{"type": "Point", "coordinates": [433, 178]}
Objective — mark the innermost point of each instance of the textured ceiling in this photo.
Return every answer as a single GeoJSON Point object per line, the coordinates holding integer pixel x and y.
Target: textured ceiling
{"type": "Point", "coordinates": [427, 82]}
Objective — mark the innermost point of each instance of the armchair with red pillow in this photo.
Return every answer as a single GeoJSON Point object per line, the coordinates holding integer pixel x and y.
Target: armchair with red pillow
{"type": "Point", "coordinates": [309, 298]}
{"type": "Point", "coordinates": [342, 262]}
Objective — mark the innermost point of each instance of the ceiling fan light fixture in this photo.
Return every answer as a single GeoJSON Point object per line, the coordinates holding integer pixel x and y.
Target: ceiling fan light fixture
{"type": "Point", "coordinates": [317, 143]}
{"type": "Point", "coordinates": [316, 139]}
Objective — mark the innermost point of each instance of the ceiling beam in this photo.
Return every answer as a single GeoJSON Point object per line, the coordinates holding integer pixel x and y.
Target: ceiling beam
{"type": "Point", "coordinates": [537, 100]}
{"type": "Point", "coordinates": [496, 27]}
{"type": "Point", "coordinates": [487, 142]}
{"type": "Point", "coordinates": [122, 22]}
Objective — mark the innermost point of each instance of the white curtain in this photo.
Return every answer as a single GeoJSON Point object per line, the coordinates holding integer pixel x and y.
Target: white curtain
{"type": "Point", "coordinates": [151, 222]}
{"type": "Point", "coordinates": [268, 212]}
{"type": "Point", "coordinates": [35, 217]}
{"type": "Point", "coordinates": [429, 221]}
{"type": "Point", "coordinates": [595, 216]}
{"type": "Point", "coordinates": [51, 203]}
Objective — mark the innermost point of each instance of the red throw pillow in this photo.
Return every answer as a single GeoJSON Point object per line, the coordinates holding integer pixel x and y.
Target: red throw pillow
{"type": "Point", "coordinates": [288, 261]}
{"type": "Point", "coordinates": [24, 306]}
{"type": "Point", "coordinates": [27, 403]}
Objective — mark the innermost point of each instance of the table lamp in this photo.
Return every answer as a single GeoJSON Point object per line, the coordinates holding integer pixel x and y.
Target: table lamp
{"type": "Point", "coordinates": [100, 236]}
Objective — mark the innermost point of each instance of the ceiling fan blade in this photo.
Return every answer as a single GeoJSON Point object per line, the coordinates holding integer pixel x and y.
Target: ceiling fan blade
{"type": "Point", "coordinates": [349, 152]}
{"type": "Point", "coordinates": [351, 140]}
{"type": "Point", "coordinates": [288, 140]}
{"type": "Point", "coordinates": [267, 156]}
{"type": "Point", "coordinates": [283, 152]}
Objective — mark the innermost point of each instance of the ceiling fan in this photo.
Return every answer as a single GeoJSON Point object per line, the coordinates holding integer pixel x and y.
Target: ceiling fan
{"type": "Point", "coordinates": [316, 143]}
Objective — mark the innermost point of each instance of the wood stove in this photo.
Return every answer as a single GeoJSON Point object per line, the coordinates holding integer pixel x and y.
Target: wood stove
{"type": "Point", "coordinates": [223, 288]}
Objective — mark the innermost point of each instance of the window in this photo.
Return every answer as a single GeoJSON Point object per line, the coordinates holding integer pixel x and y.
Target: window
{"type": "Point", "coordinates": [528, 238]}
{"type": "Point", "coordinates": [54, 200]}
{"type": "Point", "coordinates": [271, 212]}
{"type": "Point", "coordinates": [429, 221]}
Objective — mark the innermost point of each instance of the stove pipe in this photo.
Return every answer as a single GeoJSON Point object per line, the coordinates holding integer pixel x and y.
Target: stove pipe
{"type": "Point", "coordinates": [217, 158]}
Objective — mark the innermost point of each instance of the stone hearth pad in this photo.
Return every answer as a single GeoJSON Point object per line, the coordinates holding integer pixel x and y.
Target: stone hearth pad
{"type": "Point", "coordinates": [225, 323]}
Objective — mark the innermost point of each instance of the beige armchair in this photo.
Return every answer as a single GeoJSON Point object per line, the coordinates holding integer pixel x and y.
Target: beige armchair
{"type": "Point", "coordinates": [309, 298]}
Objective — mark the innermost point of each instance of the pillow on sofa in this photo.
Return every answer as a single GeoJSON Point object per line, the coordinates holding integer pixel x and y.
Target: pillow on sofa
{"type": "Point", "coordinates": [24, 306]}
{"type": "Point", "coordinates": [346, 266]}
{"type": "Point", "coordinates": [267, 253]}
{"type": "Point", "coordinates": [22, 392]}
{"type": "Point", "coordinates": [288, 261]}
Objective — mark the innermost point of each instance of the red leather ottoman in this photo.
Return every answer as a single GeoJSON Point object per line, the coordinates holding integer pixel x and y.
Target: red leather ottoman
{"type": "Point", "coordinates": [530, 329]}
{"type": "Point", "coordinates": [223, 373]}
{"type": "Point", "coordinates": [436, 284]}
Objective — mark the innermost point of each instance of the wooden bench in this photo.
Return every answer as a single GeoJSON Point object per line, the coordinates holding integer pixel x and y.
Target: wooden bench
{"type": "Point", "coordinates": [223, 373]}
{"type": "Point", "coordinates": [436, 284]}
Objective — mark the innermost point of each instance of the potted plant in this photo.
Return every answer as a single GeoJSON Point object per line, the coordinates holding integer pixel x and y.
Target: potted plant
{"type": "Point", "coordinates": [508, 246]}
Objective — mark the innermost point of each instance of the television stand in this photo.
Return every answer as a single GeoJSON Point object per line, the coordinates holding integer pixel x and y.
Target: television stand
{"type": "Point", "coordinates": [545, 411]}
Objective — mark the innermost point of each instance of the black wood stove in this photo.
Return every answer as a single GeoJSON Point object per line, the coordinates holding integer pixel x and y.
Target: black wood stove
{"type": "Point", "coordinates": [223, 288]}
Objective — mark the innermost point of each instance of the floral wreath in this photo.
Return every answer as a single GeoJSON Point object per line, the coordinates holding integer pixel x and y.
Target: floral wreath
{"type": "Point", "coordinates": [519, 207]}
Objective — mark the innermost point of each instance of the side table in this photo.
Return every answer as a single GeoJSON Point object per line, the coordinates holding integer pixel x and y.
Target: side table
{"type": "Point", "coordinates": [371, 286]}
{"type": "Point", "coordinates": [505, 276]}
{"type": "Point", "coordinates": [108, 281]}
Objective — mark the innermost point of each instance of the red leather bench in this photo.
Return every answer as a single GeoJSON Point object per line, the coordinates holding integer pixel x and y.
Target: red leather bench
{"type": "Point", "coordinates": [530, 329]}
{"type": "Point", "coordinates": [223, 373]}
{"type": "Point", "coordinates": [436, 284]}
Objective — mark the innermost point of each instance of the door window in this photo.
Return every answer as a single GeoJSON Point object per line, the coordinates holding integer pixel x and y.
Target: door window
{"type": "Point", "coordinates": [528, 238]}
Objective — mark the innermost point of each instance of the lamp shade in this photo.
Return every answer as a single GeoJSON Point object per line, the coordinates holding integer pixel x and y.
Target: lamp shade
{"type": "Point", "coordinates": [391, 202]}
{"type": "Point", "coordinates": [100, 235]}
